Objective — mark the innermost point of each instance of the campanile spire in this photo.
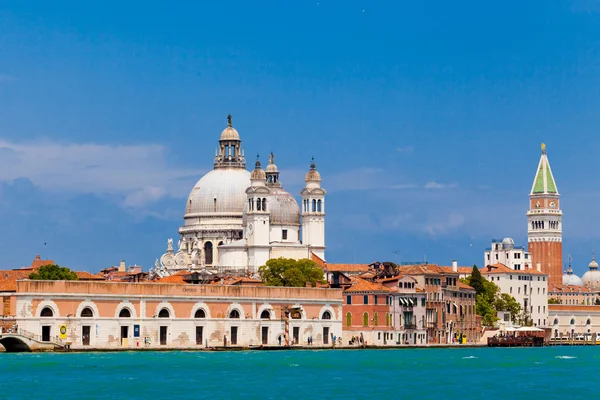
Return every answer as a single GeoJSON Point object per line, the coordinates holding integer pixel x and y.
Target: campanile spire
{"type": "Point", "coordinates": [544, 218]}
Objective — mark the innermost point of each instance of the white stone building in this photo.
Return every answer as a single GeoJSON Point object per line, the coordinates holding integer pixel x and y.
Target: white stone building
{"type": "Point", "coordinates": [528, 287]}
{"type": "Point", "coordinates": [505, 252]}
{"type": "Point", "coordinates": [236, 220]}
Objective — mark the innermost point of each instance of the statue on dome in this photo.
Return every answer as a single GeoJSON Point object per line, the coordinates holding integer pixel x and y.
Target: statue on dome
{"type": "Point", "coordinates": [170, 245]}
{"type": "Point", "coordinates": [272, 158]}
{"type": "Point", "coordinates": [229, 120]}
{"type": "Point", "coordinates": [156, 264]}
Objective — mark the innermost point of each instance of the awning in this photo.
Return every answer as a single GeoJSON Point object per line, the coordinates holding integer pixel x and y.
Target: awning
{"type": "Point", "coordinates": [529, 329]}
{"type": "Point", "coordinates": [403, 301]}
{"type": "Point", "coordinates": [413, 302]}
{"type": "Point", "coordinates": [455, 305]}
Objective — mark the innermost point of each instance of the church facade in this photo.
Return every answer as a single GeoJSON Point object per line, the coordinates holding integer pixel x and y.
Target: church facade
{"type": "Point", "coordinates": [236, 220]}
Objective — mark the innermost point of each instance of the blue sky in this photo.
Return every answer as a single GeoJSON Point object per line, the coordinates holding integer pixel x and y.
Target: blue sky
{"type": "Point", "coordinates": [425, 120]}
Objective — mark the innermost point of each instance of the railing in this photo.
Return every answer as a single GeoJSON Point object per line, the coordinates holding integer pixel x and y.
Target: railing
{"type": "Point", "coordinates": [431, 325]}
{"type": "Point", "coordinates": [410, 326]}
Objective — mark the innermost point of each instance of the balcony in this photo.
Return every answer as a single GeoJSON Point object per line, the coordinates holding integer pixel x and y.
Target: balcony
{"type": "Point", "coordinates": [431, 325]}
{"type": "Point", "coordinates": [410, 326]}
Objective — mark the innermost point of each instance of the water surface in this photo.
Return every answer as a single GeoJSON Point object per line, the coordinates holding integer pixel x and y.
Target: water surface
{"type": "Point", "coordinates": [467, 373]}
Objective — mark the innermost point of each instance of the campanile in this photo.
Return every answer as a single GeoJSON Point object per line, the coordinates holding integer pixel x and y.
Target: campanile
{"type": "Point", "coordinates": [544, 232]}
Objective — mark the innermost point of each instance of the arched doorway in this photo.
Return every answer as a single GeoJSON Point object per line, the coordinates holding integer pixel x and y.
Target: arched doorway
{"type": "Point", "coordinates": [46, 329]}
{"type": "Point", "coordinates": [85, 329]}
{"type": "Point", "coordinates": [208, 253]}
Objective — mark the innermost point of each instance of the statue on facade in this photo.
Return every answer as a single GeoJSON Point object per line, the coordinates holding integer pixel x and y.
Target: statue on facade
{"type": "Point", "coordinates": [170, 245]}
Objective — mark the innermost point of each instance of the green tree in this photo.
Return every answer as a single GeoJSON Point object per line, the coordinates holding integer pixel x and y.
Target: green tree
{"type": "Point", "coordinates": [552, 300]}
{"type": "Point", "coordinates": [505, 302]}
{"type": "Point", "coordinates": [597, 302]}
{"type": "Point", "coordinates": [476, 280]}
{"type": "Point", "coordinates": [292, 273]}
{"type": "Point", "coordinates": [53, 273]}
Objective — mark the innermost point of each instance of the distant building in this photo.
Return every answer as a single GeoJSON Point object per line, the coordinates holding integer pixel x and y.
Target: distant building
{"type": "Point", "coordinates": [505, 252]}
{"type": "Point", "coordinates": [107, 315]}
{"type": "Point", "coordinates": [528, 287]}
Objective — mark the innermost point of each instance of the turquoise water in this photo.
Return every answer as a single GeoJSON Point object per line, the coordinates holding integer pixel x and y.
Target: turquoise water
{"type": "Point", "coordinates": [468, 373]}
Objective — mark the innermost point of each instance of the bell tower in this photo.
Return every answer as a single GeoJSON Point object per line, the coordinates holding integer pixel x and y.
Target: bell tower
{"type": "Point", "coordinates": [313, 212]}
{"type": "Point", "coordinates": [544, 218]}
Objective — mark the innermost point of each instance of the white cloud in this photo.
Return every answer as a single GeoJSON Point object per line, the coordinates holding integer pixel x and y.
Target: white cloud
{"type": "Point", "coordinates": [138, 173]}
{"type": "Point", "coordinates": [405, 149]}
{"type": "Point", "coordinates": [7, 78]}
{"type": "Point", "coordinates": [436, 185]}
{"type": "Point", "coordinates": [444, 225]}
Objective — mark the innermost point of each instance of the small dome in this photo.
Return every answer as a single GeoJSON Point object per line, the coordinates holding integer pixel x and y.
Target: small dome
{"type": "Point", "coordinates": [508, 243]}
{"type": "Point", "coordinates": [272, 168]}
{"type": "Point", "coordinates": [312, 174]}
{"type": "Point", "coordinates": [571, 279]}
{"type": "Point", "coordinates": [593, 264]}
{"type": "Point", "coordinates": [282, 207]}
{"type": "Point", "coordinates": [258, 173]}
{"type": "Point", "coordinates": [230, 133]}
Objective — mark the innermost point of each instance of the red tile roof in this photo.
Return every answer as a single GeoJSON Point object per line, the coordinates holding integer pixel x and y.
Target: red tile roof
{"type": "Point", "coordinates": [464, 286]}
{"type": "Point", "coordinates": [347, 267]}
{"type": "Point", "coordinates": [361, 285]}
{"type": "Point", "coordinates": [86, 276]}
{"type": "Point", "coordinates": [8, 279]}
{"type": "Point", "coordinates": [503, 269]}
{"type": "Point", "coordinates": [318, 260]}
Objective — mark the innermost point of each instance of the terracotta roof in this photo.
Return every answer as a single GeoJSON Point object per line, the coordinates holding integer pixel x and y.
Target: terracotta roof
{"type": "Point", "coordinates": [392, 279]}
{"type": "Point", "coordinates": [347, 267]}
{"type": "Point", "coordinates": [318, 260]}
{"type": "Point", "coordinates": [464, 286]}
{"type": "Point", "coordinates": [361, 285]}
{"type": "Point", "coordinates": [246, 281]}
{"type": "Point", "coordinates": [175, 278]}
{"type": "Point", "coordinates": [8, 279]}
{"type": "Point", "coordinates": [86, 276]}
{"type": "Point", "coordinates": [428, 269]}
{"type": "Point", "coordinates": [367, 275]}
{"type": "Point", "coordinates": [503, 269]}
{"type": "Point", "coordinates": [571, 289]}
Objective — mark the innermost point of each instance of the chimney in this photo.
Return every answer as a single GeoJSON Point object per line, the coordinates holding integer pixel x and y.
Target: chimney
{"type": "Point", "coordinates": [122, 267]}
{"type": "Point", "coordinates": [454, 266]}
{"type": "Point", "coordinates": [538, 266]}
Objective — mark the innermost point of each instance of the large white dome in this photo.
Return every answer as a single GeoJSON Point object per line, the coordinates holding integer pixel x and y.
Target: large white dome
{"type": "Point", "coordinates": [221, 191]}
{"type": "Point", "coordinates": [591, 279]}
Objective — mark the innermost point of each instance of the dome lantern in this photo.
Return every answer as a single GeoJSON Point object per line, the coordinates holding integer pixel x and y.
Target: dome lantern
{"type": "Point", "coordinates": [230, 153]}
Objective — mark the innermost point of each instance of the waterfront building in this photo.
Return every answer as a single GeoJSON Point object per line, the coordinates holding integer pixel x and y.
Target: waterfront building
{"type": "Point", "coordinates": [528, 287]}
{"type": "Point", "coordinates": [107, 315]}
{"type": "Point", "coordinates": [236, 220]}
{"type": "Point", "coordinates": [572, 321]}
{"type": "Point", "coordinates": [449, 304]}
{"type": "Point", "coordinates": [505, 252]}
{"type": "Point", "coordinates": [388, 312]}
{"type": "Point", "coordinates": [544, 222]}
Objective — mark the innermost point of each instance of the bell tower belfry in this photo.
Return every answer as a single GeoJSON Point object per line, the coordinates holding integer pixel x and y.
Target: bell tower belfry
{"type": "Point", "coordinates": [544, 218]}
{"type": "Point", "coordinates": [313, 212]}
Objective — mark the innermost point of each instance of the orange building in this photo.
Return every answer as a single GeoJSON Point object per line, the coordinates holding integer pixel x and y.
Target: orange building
{"type": "Point", "coordinates": [544, 219]}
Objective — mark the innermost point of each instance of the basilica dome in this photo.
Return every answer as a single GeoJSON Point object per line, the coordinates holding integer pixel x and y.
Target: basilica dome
{"type": "Point", "coordinates": [219, 191]}
{"type": "Point", "coordinates": [591, 279]}
{"type": "Point", "coordinates": [570, 279]}
{"type": "Point", "coordinates": [282, 207]}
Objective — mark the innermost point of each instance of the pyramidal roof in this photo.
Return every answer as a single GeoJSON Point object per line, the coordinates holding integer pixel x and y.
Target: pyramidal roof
{"type": "Point", "coordinates": [544, 180]}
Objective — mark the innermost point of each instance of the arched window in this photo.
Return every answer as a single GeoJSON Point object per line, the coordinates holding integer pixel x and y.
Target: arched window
{"type": "Point", "coordinates": [366, 319]}
{"type": "Point", "coordinates": [572, 321]}
{"type": "Point", "coordinates": [588, 322]}
{"type": "Point", "coordinates": [265, 314]}
{"type": "Point", "coordinates": [258, 204]}
{"type": "Point", "coordinates": [314, 205]}
{"type": "Point", "coordinates": [319, 206]}
{"type": "Point", "coordinates": [208, 253]}
{"type": "Point", "coordinates": [200, 313]}
{"type": "Point", "coordinates": [221, 243]}
{"type": "Point", "coordinates": [47, 312]}
{"type": "Point", "coordinates": [87, 313]}
{"type": "Point", "coordinates": [234, 314]}
{"type": "Point", "coordinates": [125, 313]}
{"type": "Point", "coordinates": [264, 204]}
{"type": "Point", "coordinates": [348, 319]}
{"type": "Point", "coordinates": [164, 313]}
{"type": "Point", "coordinates": [326, 315]}
{"type": "Point", "coordinates": [376, 319]}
